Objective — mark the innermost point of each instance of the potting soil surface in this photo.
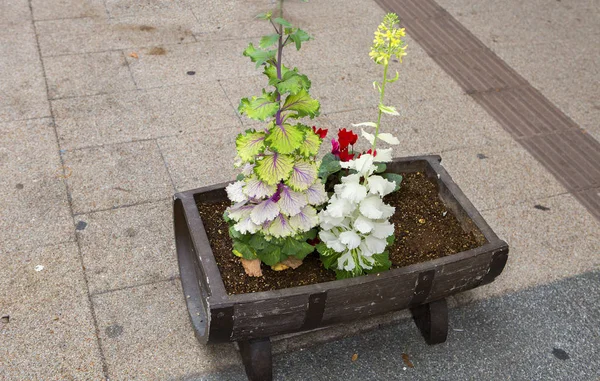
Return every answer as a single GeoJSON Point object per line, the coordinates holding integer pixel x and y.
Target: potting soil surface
{"type": "Point", "coordinates": [424, 230]}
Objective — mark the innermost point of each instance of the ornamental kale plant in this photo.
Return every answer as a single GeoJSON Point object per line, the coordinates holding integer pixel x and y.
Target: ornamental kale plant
{"type": "Point", "coordinates": [274, 198]}
{"type": "Point", "coordinates": [355, 226]}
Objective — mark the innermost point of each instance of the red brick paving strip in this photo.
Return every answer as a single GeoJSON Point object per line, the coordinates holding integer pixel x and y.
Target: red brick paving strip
{"type": "Point", "coordinates": [549, 135]}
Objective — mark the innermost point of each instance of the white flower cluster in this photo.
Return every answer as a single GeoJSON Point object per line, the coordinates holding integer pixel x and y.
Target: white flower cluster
{"type": "Point", "coordinates": [355, 222]}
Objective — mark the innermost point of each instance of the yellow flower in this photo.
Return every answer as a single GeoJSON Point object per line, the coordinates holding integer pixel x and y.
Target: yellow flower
{"type": "Point", "coordinates": [388, 41]}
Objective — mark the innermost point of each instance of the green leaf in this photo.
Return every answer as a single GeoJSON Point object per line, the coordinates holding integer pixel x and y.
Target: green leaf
{"type": "Point", "coordinates": [270, 255]}
{"type": "Point", "coordinates": [295, 248]}
{"type": "Point", "coordinates": [391, 110]}
{"type": "Point", "coordinates": [302, 103]}
{"type": "Point", "coordinates": [259, 56]}
{"type": "Point", "coordinates": [274, 168]}
{"type": "Point", "coordinates": [329, 165]}
{"type": "Point", "coordinates": [264, 16]}
{"type": "Point", "coordinates": [382, 263]}
{"type": "Point", "coordinates": [240, 177]}
{"type": "Point", "coordinates": [328, 256]}
{"type": "Point", "coordinates": [284, 139]}
{"type": "Point", "coordinates": [244, 249]}
{"type": "Point", "coordinates": [394, 79]}
{"type": "Point", "coordinates": [299, 37]}
{"type": "Point", "coordinates": [259, 108]}
{"type": "Point", "coordinates": [292, 83]}
{"type": "Point", "coordinates": [380, 167]}
{"type": "Point", "coordinates": [393, 177]}
{"type": "Point", "coordinates": [250, 144]}
{"type": "Point", "coordinates": [311, 144]}
{"type": "Point", "coordinates": [258, 242]}
{"type": "Point", "coordinates": [268, 40]}
{"type": "Point", "coordinates": [281, 21]}
{"type": "Point", "coordinates": [304, 174]}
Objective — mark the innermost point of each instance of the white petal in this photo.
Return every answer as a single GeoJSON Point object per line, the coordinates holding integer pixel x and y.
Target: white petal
{"type": "Point", "coordinates": [239, 211]}
{"type": "Point", "coordinates": [316, 193]}
{"type": "Point", "coordinates": [280, 227]}
{"type": "Point", "coordinates": [353, 178]}
{"type": "Point", "coordinates": [363, 224]}
{"type": "Point", "coordinates": [327, 222]}
{"type": "Point", "coordinates": [290, 202]}
{"type": "Point", "coordinates": [369, 137]}
{"type": "Point", "coordinates": [305, 220]}
{"type": "Point", "coordinates": [265, 211]}
{"type": "Point", "coordinates": [375, 245]}
{"type": "Point", "coordinates": [380, 185]}
{"type": "Point", "coordinates": [383, 229]}
{"type": "Point", "coordinates": [365, 262]}
{"type": "Point", "coordinates": [372, 207]}
{"type": "Point", "coordinates": [350, 239]}
{"type": "Point", "coordinates": [234, 192]}
{"type": "Point", "coordinates": [339, 207]}
{"type": "Point", "coordinates": [331, 241]}
{"type": "Point", "coordinates": [364, 164]}
{"type": "Point", "coordinates": [353, 192]}
{"type": "Point", "coordinates": [350, 164]}
{"type": "Point", "coordinates": [257, 189]}
{"type": "Point", "coordinates": [384, 155]}
{"type": "Point", "coordinates": [346, 262]}
{"type": "Point", "coordinates": [388, 138]}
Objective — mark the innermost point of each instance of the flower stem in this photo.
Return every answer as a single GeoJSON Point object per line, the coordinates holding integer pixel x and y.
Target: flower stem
{"type": "Point", "coordinates": [381, 95]}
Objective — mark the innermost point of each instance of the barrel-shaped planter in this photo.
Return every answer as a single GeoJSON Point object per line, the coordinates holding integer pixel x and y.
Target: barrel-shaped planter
{"type": "Point", "coordinates": [251, 318]}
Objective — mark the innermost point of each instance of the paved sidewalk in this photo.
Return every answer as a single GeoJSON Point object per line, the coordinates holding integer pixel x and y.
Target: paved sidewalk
{"type": "Point", "coordinates": [109, 107]}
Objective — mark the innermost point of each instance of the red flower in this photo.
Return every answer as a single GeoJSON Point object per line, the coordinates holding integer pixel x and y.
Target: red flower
{"type": "Point", "coordinates": [345, 156]}
{"type": "Point", "coordinates": [321, 132]}
{"type": "Point", "coordinates": [370, 152]}
{"type": "Point", "coordinates": [335, 147]}
{"type": "Point", "coordinates": [313, 241]}
{"type": "Point", "coordinates": [346, 138]}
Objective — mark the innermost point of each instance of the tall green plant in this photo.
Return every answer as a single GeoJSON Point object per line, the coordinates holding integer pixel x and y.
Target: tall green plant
{"type": "Point", "coordinates": [273, 212]}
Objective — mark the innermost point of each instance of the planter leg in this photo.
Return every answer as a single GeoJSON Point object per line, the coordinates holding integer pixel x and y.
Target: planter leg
{"type": "Point", "coordinates": [256, 356]}
{"type": "Point", "coordinates": [432, 321]}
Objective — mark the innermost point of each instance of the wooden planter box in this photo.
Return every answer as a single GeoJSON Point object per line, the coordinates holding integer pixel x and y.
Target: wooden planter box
{"type": "Point", "coordinates": [250, 319]}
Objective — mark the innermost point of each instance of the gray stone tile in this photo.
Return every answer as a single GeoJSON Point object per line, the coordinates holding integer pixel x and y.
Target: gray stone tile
{"type": "Point", "coordinates": [14, 12]}
{"type": "Point", "coordinates": [50, 334]}
{"type": "Point", "coordinates": [495, 176]}
{"type": "Point", "coordinates": [62, 9]}
{"type": "Point", "coordinates": [199, 160]}
{"type": "Point", "coordinates": [231, 19]}
{"type": "Point", "coordinates": [88, 35]}
{"type": "Point", "coordinates": [132, 8]}
{"type": "Point", "coordinates": [22, 86]}
{"type": "Point", "coordinates": [116, 175]}
{"type": "Point", "coordinates": [325, 14]}
{"type": "Point", "coordinates": [146, 335]}
{"type": "Point", "coordinates": [545, 245]}
{"type": "Point", "coordinates": [128, 246]}
{"type": "Point", "coordinates": [191, 63]}
{"type": "Point", "coordinates": [87, 74]}
{"type": "Point", "coordinates": [33, 199]}
{"type": "Point", "coordinates": [144, 114]}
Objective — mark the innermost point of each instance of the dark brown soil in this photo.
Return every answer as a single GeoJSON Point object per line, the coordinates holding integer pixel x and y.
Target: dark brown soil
{"type": "Point", "coordinates": [425, 230]}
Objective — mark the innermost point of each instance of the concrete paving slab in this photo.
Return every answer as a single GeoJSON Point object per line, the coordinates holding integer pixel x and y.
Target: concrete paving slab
{"type": "Point", "coordinates": [543, 248]}
{"type": "Point", "coordinates": [87, 74]}
{"type": "Point", "coordinates": [546, 24]}
{"type": "Point", "coordinates": [191, 63]}
{"type": "Point", "coordinates": [89, 35]}
{"type": "Point", "coordinates": [63, 9]}
{"type": "Point", "coordinates": [14, 12]}
{"type": "Point", "coordinates": [321, 14]}
{"type": "Point", "coordinates": [132, 8]}
{"type": "Point", "coordinates": [49, 334]}
{"type": "Point", "coordinates": [146, 335]}
{"type": "Point", "coordinates": [128, 246]}
{"type": "Point", "coordinates": [22, 87]}
{"type": "Point", "coordinates": [492, 177]}
{"type": "Point", "coordinates": [144, 114]}
{"type": "Point", "coordinates": [231, 19]}
{"type": "Point", "coordinates": [192, 162]}
{"type": "Point", "coordinates": [33, 200]}
{"type": "Point", "coordinates": [116, 175]}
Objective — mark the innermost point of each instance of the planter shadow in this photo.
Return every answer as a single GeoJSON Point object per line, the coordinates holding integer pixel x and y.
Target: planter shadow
{"type": "Point", "coordinates": [250, 319]}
